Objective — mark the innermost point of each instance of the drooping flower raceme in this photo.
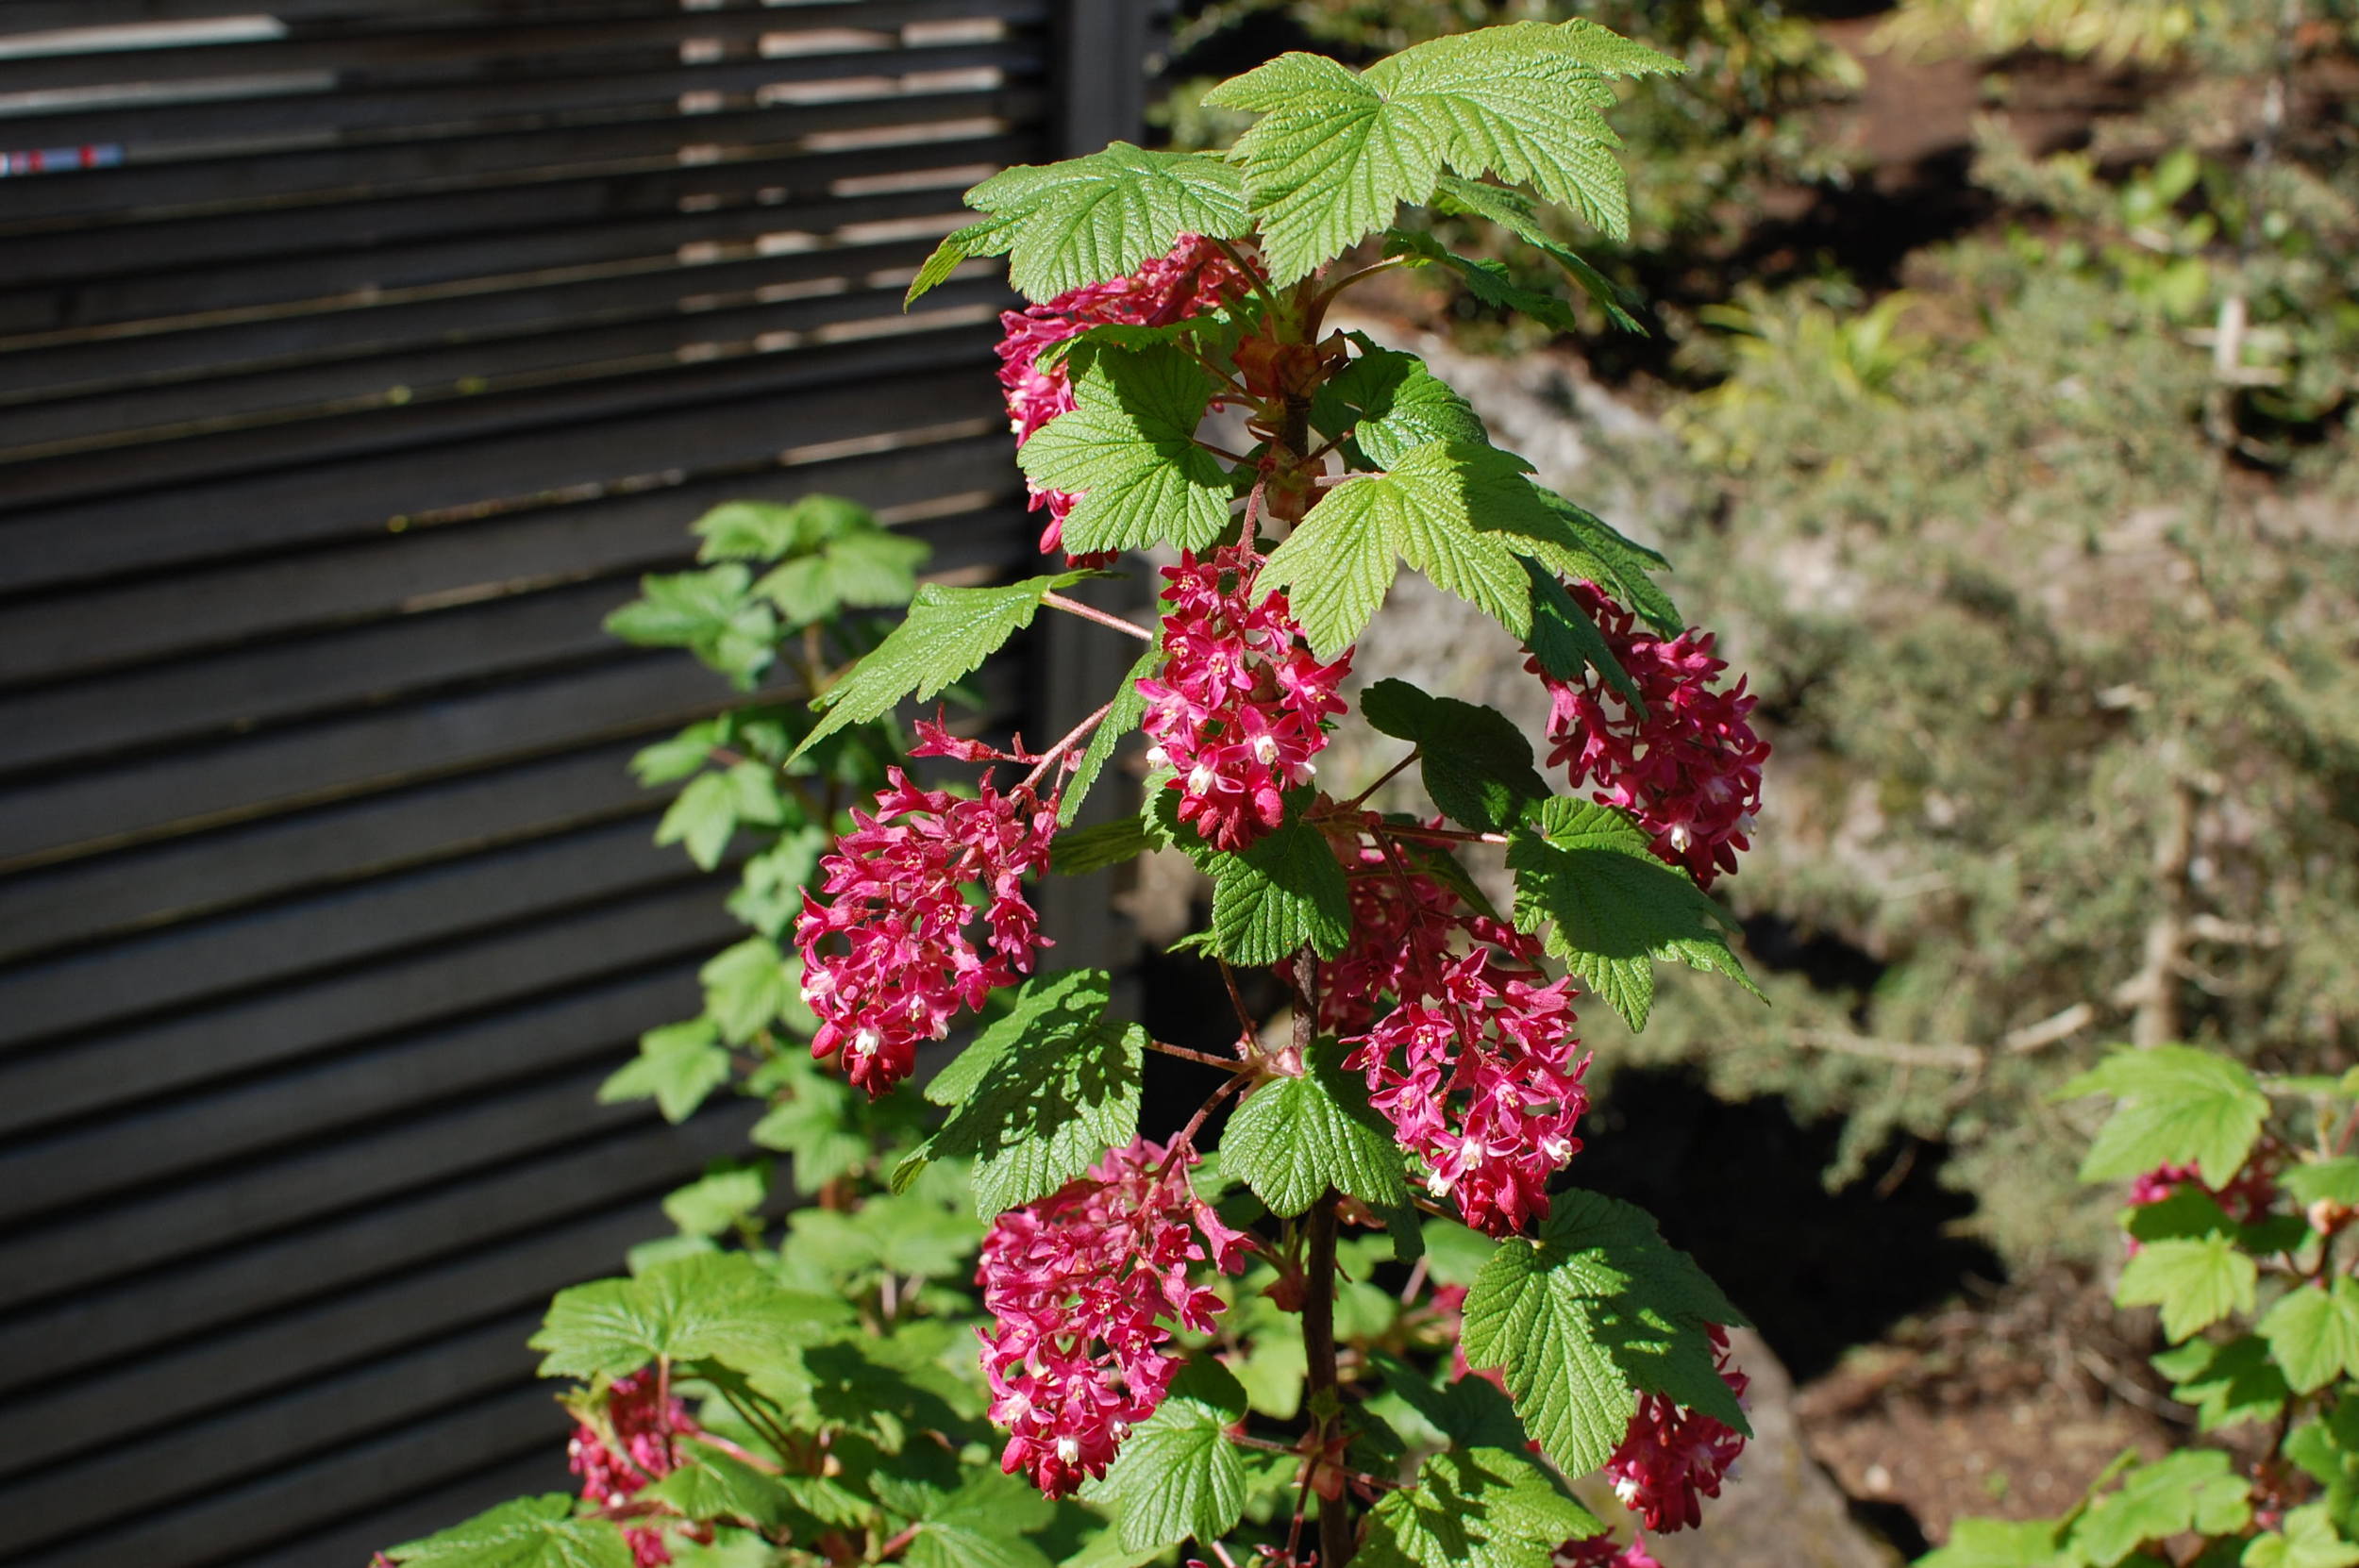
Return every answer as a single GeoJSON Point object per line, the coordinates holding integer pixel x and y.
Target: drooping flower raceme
{"type": "Point", "coordinates": [648, 1423]}
{"type": "Point", "coordinates": [1690, 769]}
{"type": "Point", "coordinates": [1241, 704]}
{"type": "Point", "coordinates": [1192, 279]}
{"type": "Point", "coordinates": [1476, 1064]}
{"type": "Point", "coordinates": [1083, 1285]}
{"type": "Point", "coordinates": [1600, 1551]}
{"type": "Point", "coordinates": [1673, 1458]}
{"type": "Point", "coordinates": [894, 954]}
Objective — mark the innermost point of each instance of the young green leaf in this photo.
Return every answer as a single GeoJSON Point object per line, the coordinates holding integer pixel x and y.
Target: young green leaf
{"type": "Point", "coordinates": [1392, 404]}
{"type": "Point", "coordinates": [1178, 1475]}
{"type": "Point", "coordinates": [2195, 1489]}
{"type": "Point", "coordinates": [1512, 211]}
{"type": "Point", "coordinates": [1585, 873]}
{"type": "Point", "coordinates": [1574, 544]}
{"type": "Point", "coordinates": [2195, 1282]}
{"type": "Point", "coordinates": [2314, 1334]}
{"type": "Point", "coordinates": [709, 613]}
{"type": "Point", "coordinates": [1283, 891]}
{"type": "Point", "coordinates": [1565, 639]}
{"type": "Point", "coordinates": [1296, 1137]}
{"type": "Point", "coordinates": [991, 237]}
{"type": "Point", "coordinates": [1078, 851]}
{"type": "Point", "coordinates": [1997, 1543]}
{"type": "Point", "coordinates": [714, 1203]}
{"type": "Point", "coordinates": [1585, 1317]}
{"type": "Point", "coordinates": [1479, 1508]}
{"type": "Point", "coordinates": [528, 1532]}
{"type": "Point", "coordinates": [1488, 281]}
{"type": "Point", "coordinates": [1476, 763]}
{"type": "Point", "coordinates": [2336, 1180]}
{"type": "Point", "coordinates": [2174, 1106]}
{"type": "Point", "coordinates": [947, 633]}
{"type": "Point", "coordinates": [1336, 153]}
{"type": "Point", "coordinates": [987, 1523]}
{"type": "Point", "coordinates": [1436, 509]}
{"type": "Point", "coordinates": [1128, 451]}
{"type": "Point", "coordinates": [1053, 1094]}
{"type": "Point", "coordinates": [701, 819]}
{"type": "Point", "coordinates": [679, 1065]}
{"type": "Point", "coordinates": [1122, 716]}
{"type": "Point", "coordinates": [1088, 219]}
{"type": "Point", "coordinates": [718, 1305]}
{"type": "Point", "coordinates": [2308, 1541]}
{"type": "Point", "coordinates": [2226, 1383]}
{"type": "Point", "coordinates": [768, 530]}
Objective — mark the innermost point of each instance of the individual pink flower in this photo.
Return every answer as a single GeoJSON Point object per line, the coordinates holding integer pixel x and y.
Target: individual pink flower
{"type": "Point", "coordinates": [1689, 770]}
{"type": "Point", "coordinates": [1239, 705]}
{"type": "Point", "coordinates": [894, 954]}
{"type": "Point", "coordinates": [1599, 1551]}
{"type": "Point", "coordinates": [648, 1424]}
{"type": "Point", "coordinates": [1673, 1458]}
{"type": "Point", "coordinates": [1082, 1286]}
{"type": "Point", "coordinates": [1194, 277]}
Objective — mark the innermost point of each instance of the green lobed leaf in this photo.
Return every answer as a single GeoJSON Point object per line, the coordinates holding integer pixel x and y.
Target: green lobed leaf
{"type": "Point", "coordinates": [1566, 640]}
{"type": "Point", "coordinates": [719, 1306]}
{"type": "Point", "coordinates": [947, 633]}
{"type": "Point", "coordinates": [1578, 546]}
{"type": "Point", "coordinates": [1336, 153]}
{"type": "Point", "coordinates": [1296, 1137]}
{"type": "Point", "coordinates": [1468, 1411]}
{"type": "Point", "coordinates": [987, 1523]}
{"type": "Point", "coordinates": [2336, 1180]}
{"type": "Point", "coordinates": [1476, 765]}
{"type": "Point", "coordinates": [1123, 715]}
{"type": "Point", "coordinates": [1078, 851]}
{"type": "Point", "coordinates": [527, 1532]}
{"type": "Point", "coordinates": [1436, 507]}
{"type": "Point", "coordinates": [669, 762]}
{"type": "Point", "coordinates": [2194, 1281]}
{"type": "Point", "coordinates": [2309, 1539]}
{"type": "Point", "coordinates": [1126, 450]}
{"type": "Point", "coordinates": [708, 613]}
{"type": "Point", "coordinates": [711, 1484]}
{"type": "Point", "coordinates": [1488, 281]}
{"type": "Point", "coordinates": [679, 1066]}
{"type": "Point", "coordinates": [2195, 1489]}
{"type": "Point", "coordinates": [817, 1129]}
{"type": "Point", "coordinates": [1088, 219]}
{"type": "Point", "coordinates": [717, 1201]}
{"type": "Point", "coordinates": [1512, 211]}
{"type": "Point", "coordinates": [991, 237]}
{"type": "Point", "coordinates": [1584, 1318]}
{"type": "Point", "coordinates": [1584, 873]}
{"type": "Point", "coordinates": [1392, 404]}
{"type": "Point", "coordinates": [701, 819]}
{"type": "Point", "coordinates": [748, 984]}
{"type": "Point", "coordinates": [2226, 1383]}
{"type": "Point", "coordinates": [2174, 1106]}
{"type": "Point", "coordinates": [1283, 891]}
{"type": "Point", "coordinates": [770, 530]}
{"type": "Point", "coordinates": [1056, 1084]}
{"type": "Point", "coordinates": [1997, 1543]}
{"type": "Point", "coordinates": [1478, 1508]}
{"type": "Point", "coordinates": [1178, 1475]}
{"type": "Point", "coordinates": [2312, 1333]}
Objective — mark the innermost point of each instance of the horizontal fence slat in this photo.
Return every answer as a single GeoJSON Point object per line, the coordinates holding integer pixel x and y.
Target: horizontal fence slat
{"type": "Point", "coordinates": [181, 966]}
{"type": "Point", "coordinates": [106, 626]}
{"type": "Point", "coordinates": [311, 1264]}
{"type": "Point", "coordinates": [280, 769]}
{"type": "Point", "coordinates": [30, 16]}
{"type": "Point", "coordinates": [358, 1536]}
{"type": "Point", "coordinates": [142, 192]}
{"type": "Point", "coordinates": [180, 879]}
{"type": "Point", "coordinates": [309, 109]}
{"type": "Point", "coordinates": [458, 375]}
{"type": "Point", "coordinates": [737, 413]}
{"type": "Point", "coordinates": [312, 1099]}
{"type": "Point", "coordinates": [287, 1348]}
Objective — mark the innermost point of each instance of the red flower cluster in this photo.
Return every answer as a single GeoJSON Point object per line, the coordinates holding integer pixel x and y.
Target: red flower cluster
{"type": "Point", "coordinates": [1079, 1284]}
{"type": "Point", "coordinates": [648, 1424]}
{"type": "Point", "coordinates": [1476, 1065]}
{"type": "Point", "coordinates": [1239, 705]}
{"type": "Point", "coordinates": [1193, 279]}
{"type": "Point", "coordinates": [1690, 770]}
{"type": "Point", "coordinates": [1673, 1458]}
{"type": "Point", "coordinates": [909, 958]}
{"type": "Point", "coordinates": [2244, 1199]}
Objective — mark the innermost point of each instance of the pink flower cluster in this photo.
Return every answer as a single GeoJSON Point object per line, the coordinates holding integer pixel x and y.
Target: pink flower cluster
{"type": "Point", "coordinates": [1081, 1285]}
{"type": "Point", "coordinates": [1690, 770]}
{"type": "Point", "coordinates": [1598, 1551]}
{"type": "Point", "coordinates": [1476, 1065]}
{"type": "Point", "coordinates": [648, 1424]}
{"type": "Point", "coordinates": [2244, 1199]}
{"type": "Point", "coordinates": [1239, 705]}
{"type": "Point", "coordinates": [1674, 1457]}
{"type": "Point", "coordinates": [1193, 279]}
{"type": "Point", "coordinates": [893, 955]}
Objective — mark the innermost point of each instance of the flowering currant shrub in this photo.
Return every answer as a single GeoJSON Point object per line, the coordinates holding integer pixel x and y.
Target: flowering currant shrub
{"type": "Point", "coordinates": [1353, 1303]}
{"type": "Point", "coordinates": [2240, 1188]}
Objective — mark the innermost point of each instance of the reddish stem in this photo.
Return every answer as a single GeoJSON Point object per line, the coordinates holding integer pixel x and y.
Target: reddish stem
{"type": "Point", "coordinates": [1075, 606]}
{"type": "Point", "coordinates": [1040, 763]}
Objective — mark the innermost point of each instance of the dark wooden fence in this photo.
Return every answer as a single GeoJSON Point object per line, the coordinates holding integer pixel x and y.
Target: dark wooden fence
{"type": "Point", "coordinates": [354, 359]}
